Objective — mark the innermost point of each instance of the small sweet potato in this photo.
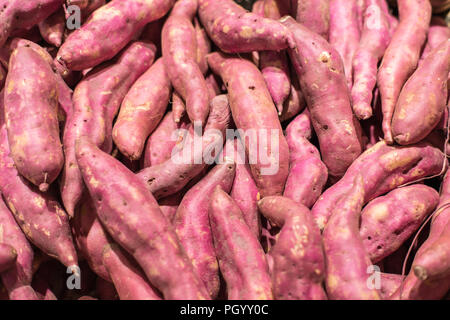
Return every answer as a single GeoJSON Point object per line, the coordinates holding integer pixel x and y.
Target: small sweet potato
{"type": "Point", "coordinates": [313, 14]}
{"type": "Point", "coordinates": [8, 257]}
{"type": "Point", "coordinates": [320, 69]}
{"type": "Point", "coordinates": [142, 109]}
{"type": "Point", "coordinates": [52, 28]}
{"type": "Point", "coordinates": [240, 255]}
{"type": "Point", "coordinates": [296, 101]}
{"type": "Point", "coordinates": [131, 215]}
{"type": "Point", "coordinates": [402, 55]}
{"type": "Point", "coordinates": [298, 262]}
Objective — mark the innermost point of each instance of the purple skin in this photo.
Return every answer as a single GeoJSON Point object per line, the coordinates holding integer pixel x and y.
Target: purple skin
{"type": "Point", "coordinates": [173, 175]}
{"type": "Point", "coordinates": [375, 38]}
{"type": "Point", "coordinates": [307, 173]}
{"type": "Point", "coordinates": [296, 101]}
{"type": "Point", "coordinates": [18, 14]}
{"type": "Point", "coordinates": [241, 258]}
{"type": "Point", "coordinates": [108, 30]}
{"type": "Point", "coordinates": [298, 268]}
{"type": "Point", "coordinates": [438, 33]}
{"type": "Point", "coordinates": [235, 30]}
{"type": "Point", "coordinates": [191, 223]}
{"type": "Point", "coordinates": [179, 51]}
{"type": "Point", "coordinates": [52, 28]}
{"type": "Point", "coordinates": [31, 113]}
{"type": "Point", "coordinates": [423, 98]}
{"type": "Point", "coordinates": [203, 46]}
{"type": "Point", "coordinates": [390, 282]}
{"type": "Point", "coordinates": [132, 217]}
{"type": "Point", "coordinates": [388, 221]}
{"type": "Point", "coordinates": [345, 32]}
{"type": "Point", "coordinates": [178, 107]}
{"type": "Point", "coordinates": [93, 113]}
{"type": "Point", "coordinates": [142, 109]}
{"type": "Point", "coordinates": [313, 14]}
{"type": "Point", "coordinates": [383, 168]}
{"type": "Point", "coordinates": [320, 69]}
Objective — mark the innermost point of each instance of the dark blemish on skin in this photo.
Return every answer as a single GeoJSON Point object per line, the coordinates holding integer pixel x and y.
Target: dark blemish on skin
{"type": "Point", "coordinates": [150, 181]}
{"type": "Point", "coordinates": [379, 247]}
{"type": "Point", "coordinates": [325, 127]}
{"type": "Point", "coordinates": [369, 238]}
{"type": "Point", "coordinates": [252, 87]}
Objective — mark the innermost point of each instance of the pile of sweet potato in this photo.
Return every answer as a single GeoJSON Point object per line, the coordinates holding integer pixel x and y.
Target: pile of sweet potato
{"type": "Point", "coordinates": [192, 149]}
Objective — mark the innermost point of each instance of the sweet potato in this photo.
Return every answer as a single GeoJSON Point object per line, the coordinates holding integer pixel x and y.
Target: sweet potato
{"type": "Point", "coordinates": [31, 114]}
{"type": "Point", "coordinates": [233, 29]}
{"type": "Point", "coordinates": [298, 261]}
{"type": "Point", "coordinates": [203, 46]}
{"type": "Point", "coordinates": [241, 257]}
{"type": "Point", "coordinates": [388, 221]}
{"type": "Point", "coordinates": [320, 69]}
{"type": "Point", "coordinates": [132, 217]}
{"type": "Point", "coordinates": [174, 174]}
{"type": "Point", "coordinates": [383, 169]}
{"type": "Point", "coordinates": [296, 101]}
{"type": "Point", "coordinates": [178, 107]}
{"type": "Point", "coordinates": [8, 256]}
{"type": "Point", "coordinates": [437, 33]}
{"type": "Point", "coordinates": [169, 205]}
{"type": "Point", "coordinates": [313, 14]}
{"type": "Point", "coordinates": [246, 88]}
{"type": "Point", "coordinates": [401, 56]}
{"type": "Point", "coordinates": [346, 258]}
{"type": "Point", "coordinates": [18, 14]}
{"type": "Point", "coordinates": [191, 223]}
{"type": "Point", "coordinates": [142, 109]}
{"type": "Point", "coordinates": [389, 282]}
{"type": "Point", "coordinates": [108, 30]}
{"type": "Point", "coordinates": [438, 6]}
{"type": "Point", "coordinates": [345, 33]}
{"type": "Point", "coordinates": [97, 99]}
{"type": "Point", "coordinates": [307, 173]}
{"type": "Point", "coordinates": [52, 28]}
{"type": "Point", "coordinates": [423, 98]}
{"type": "Point", "coordinates": [179, 50]}
{"type": "Point", "coordinates": [375, 38]}
{"type": "Point", "coordinates": [128, 280]}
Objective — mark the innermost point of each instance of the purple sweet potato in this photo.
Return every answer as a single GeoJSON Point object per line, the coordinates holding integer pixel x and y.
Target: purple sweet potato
{"type": "Point", "coordinates": [18, 14]}
{"type": "Point", "coordinates": [240, 255]}
{"type": "Point", "coordinates": [345, 32]}
{"type": "Point", "coordinates": [142, 109]}
{"type": "Point", "coordinates": [375, 38]}
{"type": "Point", "coordinates": [269, 161]}
{"type": "Point", "coordinates": [179, 50]}
{"type": "Point", "coordinates": [423, 98]}
{"type": "Point", "coordinates": [178, 107]}
{"type": "Point", "coordinates": [388, 221]}
{"type": "Point", "coordinates": [322, 79]}
{"type": "Point", "coordinates": [313, 14]}
{"type": "Point", "coordinates": [108, 30]}
{"type": "Point", "coordinates": [131, 215]}
{"type": "Point", "coordinates": [191, 223]}
{"type": "Point", "coordinates": [402, 55]}
{"type": "Point", "coordinates": [298, 262]}
{"type": "Point", "coordinates": [8, 256]}
{"type": "Point", "coordinates": [129, 281]}
{"type": "Point", "coordinates": [234, 30]}
{"type": "Point", "coordinates": [31, 114]}
{"type": "Point", "coordinates": [52, 28]}
{"type": "Point", "coordinates": [383, 169]}
{"type": "Point", "coordinates": [346, 258]}
{"type": "Point", "coordinates": [174, 174]}
{"type": "Point", "coordinates": [296, 101]}
{"type": "Point", "coordinates": [307, 173]}
{"type": "Point", "coordinates": [97, 99]}
{"type": "Point", "coordinates": [203, 46]}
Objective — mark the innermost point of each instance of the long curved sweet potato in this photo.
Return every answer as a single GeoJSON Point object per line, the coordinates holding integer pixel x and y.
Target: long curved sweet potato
{"type": "Point", "coordinates": [313, 14]}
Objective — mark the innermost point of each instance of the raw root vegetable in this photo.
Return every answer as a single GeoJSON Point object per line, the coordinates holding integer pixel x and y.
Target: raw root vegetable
{"type": "Point", "coordinates": [296, 101]}
{"type": "Point", "coordinates": [313, 14]}
{"type": "Point", "coordinates": [402, 55]}
{"type": "Point", "coordinates": [191, 223]}
{"type": "Point", "coordinates": [345, 32]}
{"type": "Point", "coordinates": [323, 83]}
{"type": "Point", "coordinates": [247, 91]}
{"type": "Point", "coordinates": [132, 217]}
{"type": "Point", "coordinates": [383, 168]}
{"type": "Point", "coordinates": [307, 173]}
{"type": "Point", "coordinates": [178, 107]}
{"type": "Point", "coordinates": [203, 46]}
{"type": "Point", "coordinates": [52, 28]}
{"type": "Point", "coordinates": [8, 256]}
{"type": "Point", "coordinates": [438, 33]}
{"type": "Point", "coordinates": [174, 174]}
{"type": "Point", "coordinates": [389, 282]}
{"type": "Point", "coordinates": [179, 50]}
{"type": "Point", "coordinates": [298, 263]}
{"type": "Point", "coordinates": [375, 38]}
{"type": "Point", "coordinates": [233, 29]}
{"type": "Point", "coordinates": [128, 280]}
{"type": "Point", "coordinates": [31, 115]}
{"type": "Point", "coordinates": [17, 14]}
{"type": "Point", "coordinates": [108, 30]}
{"type": "Point", "coordinates": [96, 100]}
{"type": "Point", "coordinates": [439, 6]}
{"type": "Point", "coordinates": [142, 109]}
{"type": "Point", "coordinates": [423, 98]}
{"type": "Point", "coordinates": [240, 255]}
{"type": "Point", "coordinates": [346, 258]}
{"type": "Point", "coordinates": [388, 221]}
